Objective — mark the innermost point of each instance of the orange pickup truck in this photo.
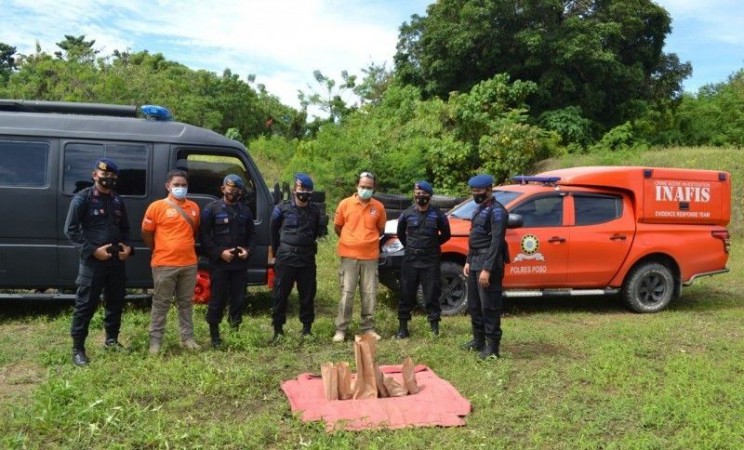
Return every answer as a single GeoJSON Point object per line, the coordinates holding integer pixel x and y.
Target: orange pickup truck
{"type": "Point", "coordinates": [638, 232]}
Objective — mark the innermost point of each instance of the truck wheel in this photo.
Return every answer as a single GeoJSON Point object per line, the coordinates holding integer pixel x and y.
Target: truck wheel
{"type": "Point", "coordinates": [649, 288]}
{"type": "Point", "coordinates": [454, 299]}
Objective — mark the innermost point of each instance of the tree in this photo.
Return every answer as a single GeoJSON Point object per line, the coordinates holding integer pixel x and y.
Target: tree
{"type": "Point", "coordinates": [330, 99]}
{"type": "Point", "coordinates": [76, 48]}
{"type": "Point", "coordinates": [603, 56]}
{"type": "Point", "coordinates": [7, 62]}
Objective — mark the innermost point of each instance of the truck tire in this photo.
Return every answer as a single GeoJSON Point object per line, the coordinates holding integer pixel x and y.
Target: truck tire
{"type": "Point", "coordinates": [454, 299]}
{"type": "Point", "coordinates": [649, 288]}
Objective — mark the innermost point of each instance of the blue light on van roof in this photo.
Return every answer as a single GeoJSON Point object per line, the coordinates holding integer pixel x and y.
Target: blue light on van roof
{"type": "Point", "coordinates": [524, 179]}
{"type": "Point", "coordinates": [155, 112]}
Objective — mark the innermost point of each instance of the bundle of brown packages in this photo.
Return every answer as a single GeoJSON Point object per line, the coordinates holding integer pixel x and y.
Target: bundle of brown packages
{"type": "Point", "coordinates": [330, 380]}
{"type": "Point", "coordinates": [365, 384]}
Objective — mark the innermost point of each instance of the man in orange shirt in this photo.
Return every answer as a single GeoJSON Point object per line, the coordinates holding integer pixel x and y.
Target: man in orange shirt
{"type": "Point", "coordinates": [359, 222]}
{"type": "Point", "coordinates": [169, 229]}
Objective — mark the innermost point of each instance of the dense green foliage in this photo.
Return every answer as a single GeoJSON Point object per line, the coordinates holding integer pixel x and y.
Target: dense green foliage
{"type": "Point", "coordinates": [603, 57]}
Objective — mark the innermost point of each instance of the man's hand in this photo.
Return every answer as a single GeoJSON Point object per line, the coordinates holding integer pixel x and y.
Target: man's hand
{"type": "Point", "coordinates": [484, 278]}
{"type": "Point", "coordinates": [466, 270]}
{"type": "Point", "coordinates": [227, 255]}
{"type": "Point", "coordinates": [102, 253]}
{"type": "Point", "coordinates": [243, 253]}
{"type": "Point", "coordinates": [124, 252]}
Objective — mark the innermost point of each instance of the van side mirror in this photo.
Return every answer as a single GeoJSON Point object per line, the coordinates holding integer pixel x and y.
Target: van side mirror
{"type": "Point", "coordinates": [515, 221]}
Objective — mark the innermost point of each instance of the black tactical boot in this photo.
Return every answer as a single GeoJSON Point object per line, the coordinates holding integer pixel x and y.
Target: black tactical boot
{"type": "Point", "coordinates": [476, 344]}
{"type": "Point", "coordinates": [403, 332]}
{"type": "Point", "coordinates": [214, 334]}
{"type": "Point", "coordinates": [278, 333]}
{"type": "Point", "coordinates": [490, 350]}
{"type": "Point", "coordinates": [434, 327]}
{"type": "Point", "coordinates": [307, 329]}
{"type": "Point", "coordinates": [78, 357]}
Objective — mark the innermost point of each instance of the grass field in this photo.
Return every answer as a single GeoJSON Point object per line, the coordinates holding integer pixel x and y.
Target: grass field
{"type": "Point", "coordinates": [575, 373]}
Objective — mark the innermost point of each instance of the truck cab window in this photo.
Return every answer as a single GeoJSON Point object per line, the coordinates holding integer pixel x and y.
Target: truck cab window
{"type": "Point", "coordinates": [592, 210]}
{"type": "Point", "coordinates": [541, 212]}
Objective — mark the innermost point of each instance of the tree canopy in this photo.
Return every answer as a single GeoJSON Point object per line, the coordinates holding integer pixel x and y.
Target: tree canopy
{"type": "Point", "coordinates": [603, 57]}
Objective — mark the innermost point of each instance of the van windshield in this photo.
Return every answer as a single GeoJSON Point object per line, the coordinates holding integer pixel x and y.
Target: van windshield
{"type": "Point", "coordinates": [466, 209]}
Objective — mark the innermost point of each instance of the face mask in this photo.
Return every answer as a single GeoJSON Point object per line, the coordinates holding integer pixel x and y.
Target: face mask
{"type": "Point", "coordinates": [303, 197]}
{"type": "Point", "coordinates": [422, 200]}
{"type": "Point", "coordinates": [480, 198]}
{"type": "Point", "coordinates": [108, 182]}
{"type": "Point", "coordinates": [364, 193]}
{"type": "Point", "coordinates": [179, 192]}
{"type": "Point", "coordinates": [232, 197]}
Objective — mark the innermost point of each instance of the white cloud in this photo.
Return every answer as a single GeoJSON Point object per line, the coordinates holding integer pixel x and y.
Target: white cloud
{"type": "Point", "coordinates": [280, 41]}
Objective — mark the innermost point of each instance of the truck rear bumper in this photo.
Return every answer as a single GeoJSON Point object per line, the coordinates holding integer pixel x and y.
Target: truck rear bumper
{"type": "Point", "coordinates": [704, 274]}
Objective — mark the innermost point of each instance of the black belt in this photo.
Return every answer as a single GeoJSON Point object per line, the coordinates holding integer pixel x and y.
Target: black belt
{"type": "Point", "coordinates": [422, 251]}
{"type": "Point", "coordinates": [479, 251]}
{"type": "Point", "coordinates": [295, 249]}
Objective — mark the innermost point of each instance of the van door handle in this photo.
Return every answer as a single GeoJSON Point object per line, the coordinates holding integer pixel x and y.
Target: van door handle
{"type": "Point", "coordinates": [616, 237]}
{"type": "Point", "coordinates": [557, 239]}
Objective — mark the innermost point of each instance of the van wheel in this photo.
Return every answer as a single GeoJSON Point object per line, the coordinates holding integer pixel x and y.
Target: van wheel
{"type": "Point", "coordinates": [454, 299]}
{"type": "Point", "coordinates": [649, 288]}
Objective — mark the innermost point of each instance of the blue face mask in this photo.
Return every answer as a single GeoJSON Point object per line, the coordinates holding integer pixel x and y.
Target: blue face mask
{"type": "Point", "coordinates": [179, 192]}
{"type": "Point", "coordinates": [364, 193]}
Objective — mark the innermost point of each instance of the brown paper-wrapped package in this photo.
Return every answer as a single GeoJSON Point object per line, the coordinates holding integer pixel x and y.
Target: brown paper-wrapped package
{"type": "Point", "coordinates": [344, 380]}
{"type": "Point", "coordinates": [394, 388]}
{"type": "Point", "coordinates": [330, 380]}
{"type": "Point", "coordinates": [365, 384]}
{"type": "Point", "coordinates": [380, 380]}
{"type": "Point", "coordinates": [409, 376]}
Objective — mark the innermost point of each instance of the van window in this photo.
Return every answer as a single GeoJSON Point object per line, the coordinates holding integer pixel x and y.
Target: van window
{"type": "Point", "coordinates": [207, 171]}
{"type": "Point", "coordinates": [595, 209]}
{"type": "Point", "coordinates": [24, 163]}
{"type": "Point", "coordinates": [130, 158]}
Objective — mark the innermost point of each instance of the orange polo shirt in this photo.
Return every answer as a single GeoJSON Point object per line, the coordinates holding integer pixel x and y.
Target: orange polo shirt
{"type": "Point", "coordinates": [174, 237]}
{"type": "Point", "coordinates": [361, 224]}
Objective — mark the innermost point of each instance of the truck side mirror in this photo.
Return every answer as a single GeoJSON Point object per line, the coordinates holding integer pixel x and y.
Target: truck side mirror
{"type": "Point", "coordinates": [515, 221]}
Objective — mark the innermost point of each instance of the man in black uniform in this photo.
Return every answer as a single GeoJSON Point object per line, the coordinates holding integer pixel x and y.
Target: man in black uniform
{"type": "Point", "coordinates": [98, 226]}
{"type": "Point", "coordinates": [226, 235]}
{"type": "Point", "coordinates": [422, 229]}
{"type": "Point", "coordinates": [484, 267]}
{"type": "Point", "coordinates": [295, 225]}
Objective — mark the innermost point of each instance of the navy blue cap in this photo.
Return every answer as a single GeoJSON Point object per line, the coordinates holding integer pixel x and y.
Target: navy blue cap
{"type": "Point", "coordinates": [304, 179]}
{"type": "Point", "coordinates": [233, 180]}
{"type": "Point", "coordinates": [480, 181]}
{"type": "Point", "coordinates": [107, 165]}
{"type": "Point", "coordinates": [424, 186]}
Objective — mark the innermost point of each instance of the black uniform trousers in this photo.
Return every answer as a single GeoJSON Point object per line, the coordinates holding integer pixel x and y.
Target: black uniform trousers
{"type": "Point", "coordinates": [485, 304]}
{"type": "Point", "coordinates": [430, 277]}
{"type": "Point", "coordinates": [286, 275]}
{"type": "Point", "coordinates": [96, 277]}
{"type": "Point", "coordinates": [228, 285]}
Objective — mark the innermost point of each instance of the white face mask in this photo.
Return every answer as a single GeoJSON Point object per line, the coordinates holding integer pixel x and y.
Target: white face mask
{"type": "Point", "coordinates": [179, 192]}
{"type": "Point", "coordinates": [364, 193]}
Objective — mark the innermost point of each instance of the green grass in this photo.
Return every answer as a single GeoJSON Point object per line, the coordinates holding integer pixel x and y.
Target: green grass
{"type": "Point", "coordinates": [575, 373]}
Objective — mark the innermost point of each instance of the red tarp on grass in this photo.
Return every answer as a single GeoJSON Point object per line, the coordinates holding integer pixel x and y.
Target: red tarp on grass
{"type": "Point", "coordinates": [438, 404]}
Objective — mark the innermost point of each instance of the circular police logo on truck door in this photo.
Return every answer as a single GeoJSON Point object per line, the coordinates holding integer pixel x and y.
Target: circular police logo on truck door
{"type": "Point", "coordinates": [530, 244]}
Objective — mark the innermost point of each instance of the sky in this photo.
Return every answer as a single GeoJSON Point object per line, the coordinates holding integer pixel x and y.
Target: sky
{"type": "Point", "coordinates": [282, 42]}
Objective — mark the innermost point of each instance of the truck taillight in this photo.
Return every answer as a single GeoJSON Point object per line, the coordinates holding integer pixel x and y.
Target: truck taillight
{"type": "Point", "coordinates": [725, 237]}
